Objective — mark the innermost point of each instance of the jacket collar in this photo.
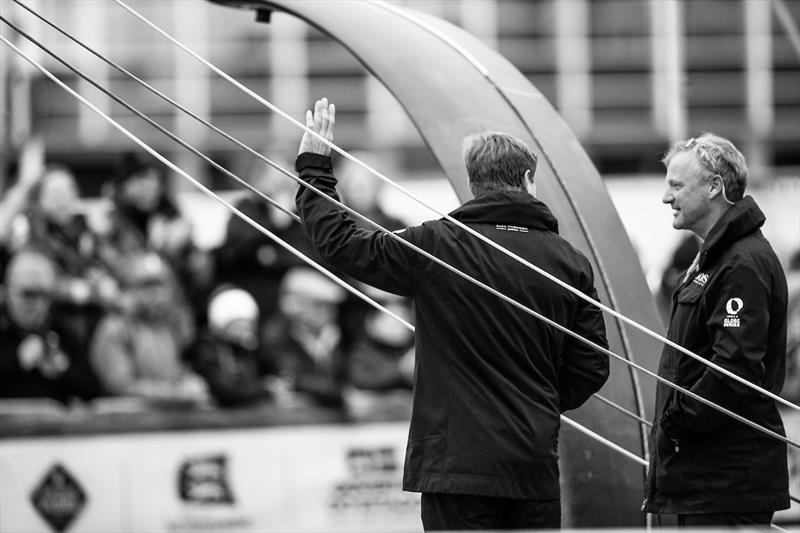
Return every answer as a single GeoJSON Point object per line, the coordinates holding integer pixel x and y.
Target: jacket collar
{"type": "Point", "coordinates": [740, 220]}
{"type": "Point", "coordinates": [516, 208]}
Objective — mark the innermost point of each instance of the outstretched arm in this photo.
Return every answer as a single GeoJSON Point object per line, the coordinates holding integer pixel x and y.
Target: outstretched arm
{"type": "Point", "coordinates": [373, 257]}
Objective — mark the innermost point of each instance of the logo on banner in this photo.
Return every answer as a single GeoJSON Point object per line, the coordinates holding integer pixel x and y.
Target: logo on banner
{"type": "Point", "coordinates": [732, 307]}
{"type": "Point", "coordinates": [373, 485]}
{"type": "Point", "coordinates": [58, 498]}
{"type": "Point", "coordinates": [205, 480]}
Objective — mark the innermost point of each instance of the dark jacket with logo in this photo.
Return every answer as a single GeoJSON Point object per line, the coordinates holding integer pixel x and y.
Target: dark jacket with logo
{"type": "Point", "coordinates": [490, 380]}
{"type": "Point", "coordinates": [731, 311]}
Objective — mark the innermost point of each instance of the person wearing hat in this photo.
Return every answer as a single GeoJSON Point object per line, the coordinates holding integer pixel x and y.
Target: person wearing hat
{"type": "Point", "coordinates": [137, 350]}
{"type": "Point", "coordinates": [229, 354]}
{"type": "Point", "coordinates": [304, 337]}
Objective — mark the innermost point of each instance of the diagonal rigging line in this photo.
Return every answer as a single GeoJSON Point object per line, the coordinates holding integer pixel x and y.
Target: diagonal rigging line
{"type": "Point", "coordinates": [172, 136]}
{"type": "Point", "coordinates": [139, 113]}
{"type": "Point", "coordinates": [420, 250]}
{"type": "Point", "coordinates": [522, 307]}
{"type": "Point", "coordinates": [257, 226]}
{"type": "Point", "coordinates": [458, 223]}
{"type": "Point", "coordinates": [238, 213]}
{"type": "Point", "coordinates": [254, 224]}
{"type": "Point", "coordinates": [517, 304]}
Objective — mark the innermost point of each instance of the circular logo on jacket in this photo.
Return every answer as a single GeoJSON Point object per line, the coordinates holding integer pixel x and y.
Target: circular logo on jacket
{"type": "Point", "coordinates": [734, 305]}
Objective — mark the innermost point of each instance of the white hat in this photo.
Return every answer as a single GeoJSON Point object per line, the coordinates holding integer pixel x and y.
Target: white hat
{"type": "Point", "coordinates": [229, 305]}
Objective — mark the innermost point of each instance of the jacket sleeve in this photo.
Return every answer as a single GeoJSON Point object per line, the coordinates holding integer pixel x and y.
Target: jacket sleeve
{"type": "Point", "coordinates": [372, 257]}
{"type": "Point", "coordinates": [738, 322]}
{"type": "Point", "coordinates": [583, 369]}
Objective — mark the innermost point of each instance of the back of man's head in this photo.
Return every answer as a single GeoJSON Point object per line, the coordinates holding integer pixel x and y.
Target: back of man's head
{"type": "Point", "coordinates": [496, 162]}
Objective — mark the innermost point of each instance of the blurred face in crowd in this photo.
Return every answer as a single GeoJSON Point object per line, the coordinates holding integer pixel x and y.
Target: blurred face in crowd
{"type": "Point", "coordinates": [150, 286]}
{"type": "Point", "coordinates": [143, 190]}
{"type": "Point", "coordinates": [58, 196]}
{"type": "Point", "coordinates": [306, 310]}
{"type": "Point", "coordinates": [30, 282]}
{"type": "Point", "coordinates": [243, 331]}
{"type": "Point", "coordinates": [688, 194]}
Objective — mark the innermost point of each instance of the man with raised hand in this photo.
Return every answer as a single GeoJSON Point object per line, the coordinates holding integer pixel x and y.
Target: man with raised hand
{"type": "Point", "coordinates": [730, 308]}
{"type": "Point", "coordinates": [490, 380]}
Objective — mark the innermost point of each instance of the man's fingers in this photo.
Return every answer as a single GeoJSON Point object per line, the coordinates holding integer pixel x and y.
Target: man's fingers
{"type": "Point", "coordinates": [331, 121]}
{"type": "Point", "coordinates": [309, 119]}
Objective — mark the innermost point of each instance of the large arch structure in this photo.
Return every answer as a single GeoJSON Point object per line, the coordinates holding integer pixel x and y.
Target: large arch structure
{"type": "Point", "coordinates": [451, 84]}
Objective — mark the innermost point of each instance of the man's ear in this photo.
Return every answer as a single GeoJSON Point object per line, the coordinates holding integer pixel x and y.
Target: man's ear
{"type": "Point", "coordinates": [530, 185]}
{"type": "Point", "coordinates": [714, 187]}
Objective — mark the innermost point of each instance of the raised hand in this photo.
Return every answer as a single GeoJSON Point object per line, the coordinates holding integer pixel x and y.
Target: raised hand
{"type": "Point", "coordinates": [320, 121]}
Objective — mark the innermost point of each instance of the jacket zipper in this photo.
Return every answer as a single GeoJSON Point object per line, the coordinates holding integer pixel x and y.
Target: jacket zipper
{"type": "Point", "coordinates": [677, 445]}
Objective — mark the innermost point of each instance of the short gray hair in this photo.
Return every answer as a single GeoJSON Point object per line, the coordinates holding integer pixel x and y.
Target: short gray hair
{"type": "Point", "coordinates": [718, 157]}
{"type": "Point", "coordinates": [496, 161]}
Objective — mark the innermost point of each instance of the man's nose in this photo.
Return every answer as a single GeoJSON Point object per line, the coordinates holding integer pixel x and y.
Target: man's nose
{"type": "Point", "coordinates": [667, 198]}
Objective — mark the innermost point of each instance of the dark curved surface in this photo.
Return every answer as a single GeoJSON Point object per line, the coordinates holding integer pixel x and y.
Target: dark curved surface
{"type": "Point", "coordinates": [451, 85]}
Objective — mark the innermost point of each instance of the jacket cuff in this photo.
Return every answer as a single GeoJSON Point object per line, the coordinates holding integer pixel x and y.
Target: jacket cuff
{"type": "Point", "coordinates": [312, 160]}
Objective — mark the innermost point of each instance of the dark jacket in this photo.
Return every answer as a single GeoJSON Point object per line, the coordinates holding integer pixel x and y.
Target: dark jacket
{"type": "Point", "coordinates": [731, 311]}
{"type": "Point", "coordinates": [76, 381]}
{"type": "Point", "coordinates": [491, 380]}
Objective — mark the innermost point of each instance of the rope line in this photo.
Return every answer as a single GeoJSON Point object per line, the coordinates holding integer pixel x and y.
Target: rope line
{"type": "Point", "coordinates": [139, 113]}
{"type": "Point", "coordinates": [295, 252]}
{"type": "Point", "coordinates": [214, 196]}
{"type": "Point", "coordinates": [469, 230]}
{"type": "Point", "coordinates": [264, 230]}
{"type": "Point", "coordinates": [203, 188]}
{"type": "Point", "coordinates": [538, 315]}
{"type": "Point", "coordinates": [172, 136]}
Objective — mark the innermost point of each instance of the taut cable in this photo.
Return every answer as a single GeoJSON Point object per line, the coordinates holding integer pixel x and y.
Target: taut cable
{"type": "Point", "coordinates": [466, 228]}
{"type": "Point", "coordinates": [500, 295]}
{"type": "Point", "coordinates": [212, 195]}
{"type": "Point", "coordinates": [172, 136]}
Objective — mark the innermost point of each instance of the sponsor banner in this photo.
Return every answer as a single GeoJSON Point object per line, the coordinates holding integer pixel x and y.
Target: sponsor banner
{"type": "Point", "coordinates": [299, 478]}
{"type": "Point", "coordinates": [61, 484]}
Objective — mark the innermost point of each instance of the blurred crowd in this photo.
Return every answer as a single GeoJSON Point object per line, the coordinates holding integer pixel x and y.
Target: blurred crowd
{"type": "Point", "coordinates": [113, 300]}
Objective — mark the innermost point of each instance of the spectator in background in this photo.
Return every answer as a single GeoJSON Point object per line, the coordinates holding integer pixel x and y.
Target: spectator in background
{"type": "Point", "coordinates": [145, 217]}
{"type": "Point", "coordinates": [382, 359]}
{"type": "Point", "coordinates": [43, 209]}
{"type": "Point", "coordinates": [39, 356]}
{"type": "Point", "coordinates": [250, 259]}
{"type": "Point", "coordinates": [305, 336]}
{"type": "Point", "coordinates": [138, 351]}
{"type": "Point", "coordinates": [229, 354]}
